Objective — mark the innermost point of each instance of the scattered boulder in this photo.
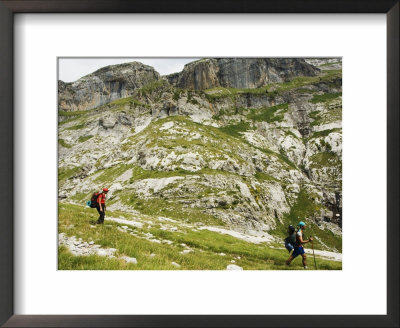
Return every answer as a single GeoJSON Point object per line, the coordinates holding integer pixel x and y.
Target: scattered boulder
{"type": "Point", "coordinates": [78, 247]}
{"type": "Point", "coordinates": [128, 259]}
{"type": "Point", "coordinates": [176, 264]}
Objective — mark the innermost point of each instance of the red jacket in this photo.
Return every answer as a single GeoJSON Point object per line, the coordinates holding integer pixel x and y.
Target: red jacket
{"type": "Point", "coordinates": [101, 199]}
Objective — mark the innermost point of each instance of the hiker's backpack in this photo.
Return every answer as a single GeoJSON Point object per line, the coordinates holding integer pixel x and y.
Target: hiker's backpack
{"type": "Point", "coordinates": [290, 240]}
{"type": "Point", "coordinates": [93, 200]}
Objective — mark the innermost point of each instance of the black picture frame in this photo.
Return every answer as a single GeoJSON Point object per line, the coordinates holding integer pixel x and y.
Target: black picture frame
{"type": "Point", "coordinates": [7, 199]}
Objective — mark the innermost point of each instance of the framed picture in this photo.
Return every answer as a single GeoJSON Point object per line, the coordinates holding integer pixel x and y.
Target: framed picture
{"type": "Point", "coordinates": [279, 79]}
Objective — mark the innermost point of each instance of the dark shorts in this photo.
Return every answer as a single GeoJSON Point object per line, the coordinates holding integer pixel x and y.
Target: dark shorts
{"type": "Point", "coordinates": [298, 251]}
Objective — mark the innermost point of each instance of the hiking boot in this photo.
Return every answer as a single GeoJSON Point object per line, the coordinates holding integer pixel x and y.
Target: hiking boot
{"type": "Point", "coordinates": [99, 222]}
{"type": "Point", "coordinates": [306, 267]}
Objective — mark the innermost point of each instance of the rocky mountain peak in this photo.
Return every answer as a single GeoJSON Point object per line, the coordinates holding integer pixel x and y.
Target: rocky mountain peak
{"type": "Point", "coordinates": [120, 81]}
{"type": "Point", "coordinates": [104, 85]}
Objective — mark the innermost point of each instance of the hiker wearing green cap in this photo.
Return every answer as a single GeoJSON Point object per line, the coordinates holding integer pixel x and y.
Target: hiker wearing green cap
{"type": "Point", "coordinates": [298, 248]}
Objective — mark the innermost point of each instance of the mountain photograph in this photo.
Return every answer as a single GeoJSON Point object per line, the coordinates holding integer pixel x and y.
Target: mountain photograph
{"type": "Point", "coordinates": [228, 164]}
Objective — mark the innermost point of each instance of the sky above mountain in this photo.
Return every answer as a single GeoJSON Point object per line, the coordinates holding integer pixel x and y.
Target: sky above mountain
{"type": "Point", "coordinates": [71, 69]}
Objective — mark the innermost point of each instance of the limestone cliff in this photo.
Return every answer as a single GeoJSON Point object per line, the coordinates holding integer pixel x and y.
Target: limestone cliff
{"type": "Point", "coordinates": [240, 72]}
{"type": "Point", "coordinates": [104, 85]}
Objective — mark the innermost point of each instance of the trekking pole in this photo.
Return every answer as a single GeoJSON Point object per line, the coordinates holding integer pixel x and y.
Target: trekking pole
{"type": "Point", "coordinates": [315, 263]}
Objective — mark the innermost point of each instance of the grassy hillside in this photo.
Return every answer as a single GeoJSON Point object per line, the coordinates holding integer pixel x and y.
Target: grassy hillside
{"type": "Point", "coordinates": [206, 246]}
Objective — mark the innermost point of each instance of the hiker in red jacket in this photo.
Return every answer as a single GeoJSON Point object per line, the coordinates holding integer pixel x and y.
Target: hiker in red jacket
{"type": "Point", "coordinates": [101, 205]}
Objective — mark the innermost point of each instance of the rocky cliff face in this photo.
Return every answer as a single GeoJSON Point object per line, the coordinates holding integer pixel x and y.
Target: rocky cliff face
{"type": "Point", "coordinates": [104, 85]}
{"type": "Point", "coordinates": [240, 72]}
{"type": "Point", "coordinates": [253, 156]}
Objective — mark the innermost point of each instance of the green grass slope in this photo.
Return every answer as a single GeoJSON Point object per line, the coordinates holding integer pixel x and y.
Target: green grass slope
{"type": "Point", "coordinates": [206, 245]}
